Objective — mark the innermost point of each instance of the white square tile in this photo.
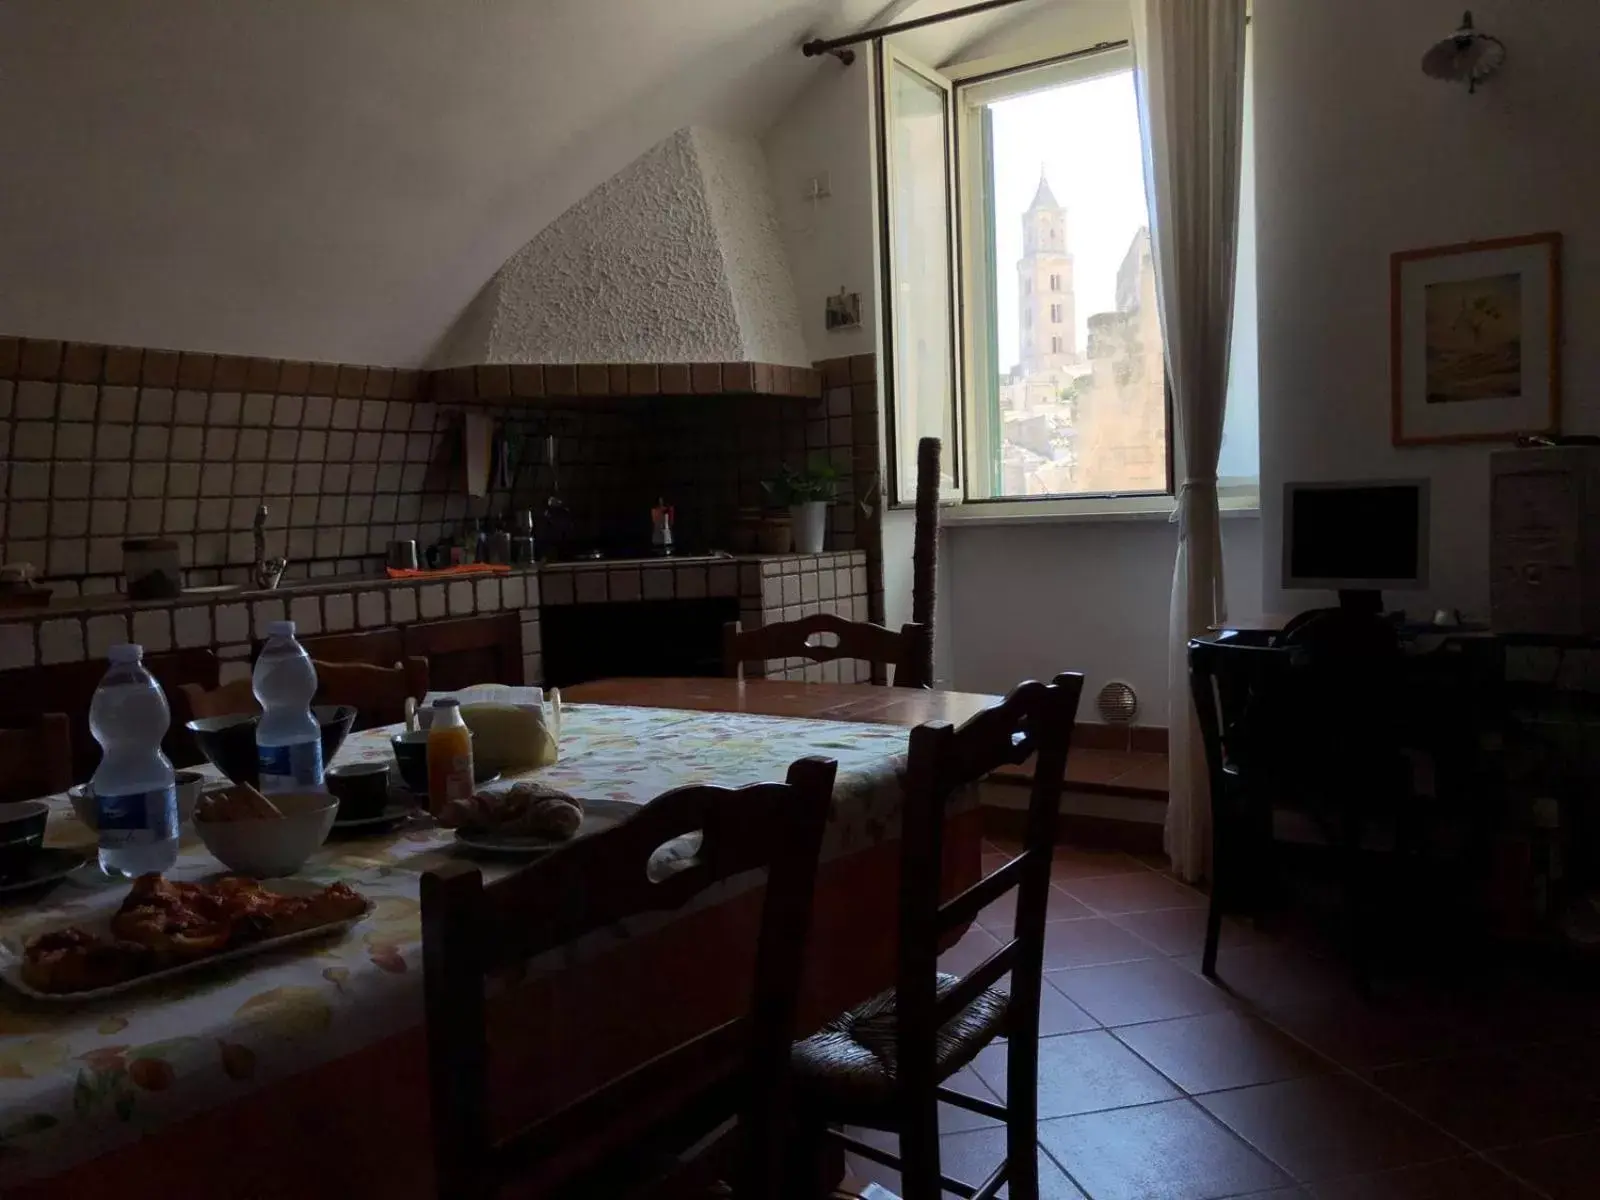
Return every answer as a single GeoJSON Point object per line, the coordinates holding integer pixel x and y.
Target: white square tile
{"type": "Point", "coordinates": [69, 557]}
{"type": "Point", "coordinates": [257, 409]}
{"type": "Point", "coordinates": [313, 446]}
{"type": "Point", "coordinates": [330, 510]}
{"type": "Point", "coordinates": [8, 393]}
{"type": "Point", "coordinates": [144, 517]}
{"type": "Point", "coordinates": [221, 444]}
{"type": "Point", "coordinates": [329, 539]}
{"type": "Point", "coordinates": [771, 592]}
{"type": "Point", "coordinates": [367, 447]}
{"type": "Point", "coordinates": [692, 582]}
{"type": "Point", "coordinates": [190, 408]}
{"type": "Point", "coordinates": [252, 446]}
{"type": "Point", "coordinates": [179, 516]}
{"type": "Point", "coordinates": [29, 519]}
{"type": "Point", "coordinates": [281, 447]}
{"type": "Point", "coordinates": [113, 441]}
{"type": "Point", "coordinates": [460, 594]}
{"type": "Point", "coordinates": [809, 593]}
{"type": "Point", "coordinates": [306, 613]}
{"type": "Point", "coordinates": [192, 625]}
{"type": "Point", "coordinates": [791, 590]}
{"type": "Point", "coordinates": [61, 641]}
{"type": "Point", "coordinates": [16, 646]}
{"type": "Point", "coordinates": [724, 580]}
{"type": "Point", "coordinates": [589, 586]}
{"type": "Point", "coordinates": [488, 595]}
{"type": "Point", "coordinates": [512, 591]}
{"type": "Point", "coordinates": [105, 631]}
{"type": "Point", "coordinates": [35, 401]}
{"type": "Point", "coordinates": [346, 413]}
{"type": "Point", "coordinates": [339, 612]}
{"type": "Point", "coordinates": [279, 479]}
{"type": "Point", "coordinates": [29, 481]}
{"type": "Point", "coordinates": [249, 479]}
{"type": "Point", "coordinates": [287, 411]}
{"type": "Point", "coordinates": [657, 583]}
{"type": "Point", "coordinates": [530, 636]}
{"type": "Point", "coordinates": [69, 518]}
{"type": "Point", "coordinates": [149, 479]}
{"type": "Point", "coordinates": [74, 440]}
{"type": "Point", "coordinates": [358, 510]}
{"type": "Point", "coordinates": [431, 601]}
{"type": "Point", "coordinates": [33, 439]}
{"type": "Point", "coordinates": [110, 479]}
{"type": "Point", "coordinates": [557, 586]}
{"type": "Point", "coordinates": [150, 443]}
{"type": "Point", "coordinates": [372, 414]}
{"type": "Point", "coordinates": [353, 544]}
{"type": "Point", "coordinates": [105, 556]}
{"type": "Point", "coordinates": [152, 629]}
{"type": "Point", "coordinates": [216, 479]}
{"type": "Point", "coordinates": [233, 623]}
{"type": "Point", "coordinates": [370, 608]}
{"type": "Point", "coordinates": [118, 404]}
{"type": "Point", "coordinates": [188, 443]}
{"type": "Point", "coordinates": [858, 581]}
{"type": "Point", "coordinates": [155, 406]}
{"type": "Point", "coordinates": [78, 401]}
{"type": "Point", "coordinates": [233, 672]}
{"type": "Point", "coordinates": [532, 670]}
{"type": "Point", "coordinates": [316, 413]}
{"type": "Point", "coordinates": [264, 613]}
{"type": "Point", "coordinates": [402, 605]}
{"type": "Point", "coordinates": [364, 477]}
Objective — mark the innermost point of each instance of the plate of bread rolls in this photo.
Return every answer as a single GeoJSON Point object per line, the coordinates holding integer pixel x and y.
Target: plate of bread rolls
{"type": "Point", "coordinates": [521, 818]}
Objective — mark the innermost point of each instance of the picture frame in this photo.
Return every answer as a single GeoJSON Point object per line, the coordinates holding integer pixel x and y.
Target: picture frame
{"type": "Point", "coordinates": [1475, 340]}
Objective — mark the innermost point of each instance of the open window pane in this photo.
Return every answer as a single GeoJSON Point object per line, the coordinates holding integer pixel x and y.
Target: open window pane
{"type": "Point", "coordinates": [917, 210]}
{"type": "Point", "coordinates": [1073, 396]}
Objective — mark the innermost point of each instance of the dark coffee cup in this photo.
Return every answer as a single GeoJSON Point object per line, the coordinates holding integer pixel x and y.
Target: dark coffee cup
{"type": "Point", "coordinates": [361, 788]}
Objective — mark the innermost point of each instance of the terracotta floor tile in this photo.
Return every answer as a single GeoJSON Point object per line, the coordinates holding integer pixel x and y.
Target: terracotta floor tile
{"type": "Point", "coordinates": [1000, 917]}
{"type": "Point", "coordinates": [1170, 1151]}
{"type": "Point", "coordinates": [1100, 766]}
{"type": "Point", "coordinates": [1133, 893]}
{"type": "Point", "coordinates": [1490, 1099]}
{"type": "Point", "coordinates": [975, 945]}
{"type": "Point", "coordinates": [1453, 1179]}
{"type": "Point", "coordinates": [1183, 930]}
{"type": "Point", "coordinates": [1325, 1126]}
{"type": "Point", "coordinates": [1566, 1168]}
{"type": "Point", "coordinates": [1364, 1035]}
{"type": "Point", "coordinates": [1091, 942]}
{"type": "Point", "coordinates": [1221, 1050]}
{"type": "Point", "coordinates": [970, 1157]}
{"type": "Point", "coordinates": [1057, 1014]}
{"type": "Point", "coordinates": [955, 1119]}
{"type": "Point", "coordinates": [1150, 772]}
{"type": "Point", "coordinates": [1155, 989]}
{"type": "Point", "coordinates": [1577, 1063]}
{"type": "Point", "coordinates": [1272, 976]}
{"type": "Point", "coordinates": [1071, 862]}
{"type": "Point", "coordinates": [1081, 1072]}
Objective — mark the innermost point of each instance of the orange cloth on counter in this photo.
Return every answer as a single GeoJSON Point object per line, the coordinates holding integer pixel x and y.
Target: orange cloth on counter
{"type": "Point", "coordinates": [444, 572]}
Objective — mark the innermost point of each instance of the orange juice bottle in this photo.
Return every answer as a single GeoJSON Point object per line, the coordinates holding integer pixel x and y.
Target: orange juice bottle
{"type": "Point", "coordinates": [449, 756]}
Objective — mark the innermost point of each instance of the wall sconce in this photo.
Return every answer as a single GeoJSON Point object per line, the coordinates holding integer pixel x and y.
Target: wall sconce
{"type": "Point", "coordinates": [1466, 56]}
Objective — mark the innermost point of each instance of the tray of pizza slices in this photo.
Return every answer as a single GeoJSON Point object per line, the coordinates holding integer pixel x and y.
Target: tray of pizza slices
{"type": "Point", "coordinates": [165, 929]}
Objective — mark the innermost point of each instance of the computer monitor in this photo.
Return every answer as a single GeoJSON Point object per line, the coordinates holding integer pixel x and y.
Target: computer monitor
{"type": "Point", "coordinates": [1356, 538]}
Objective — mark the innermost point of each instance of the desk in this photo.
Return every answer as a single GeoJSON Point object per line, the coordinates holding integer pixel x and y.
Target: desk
{"type": "Point", "coordinates": [304, 1075]}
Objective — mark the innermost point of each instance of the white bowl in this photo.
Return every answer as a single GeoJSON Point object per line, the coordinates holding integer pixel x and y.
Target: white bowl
{"type": "Point", "coordinates": [190, 785]}
{"type": "Point", "coordinates": [267, 848]}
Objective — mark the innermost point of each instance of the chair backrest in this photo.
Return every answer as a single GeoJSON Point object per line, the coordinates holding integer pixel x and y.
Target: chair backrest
{"type": "Point", "coordinates": [236, 697]}
{"type": "Point", "coordinates": [25, 692]}
{"type": "Point", "coordinates": [378, 694]}
{"type": "Point", "coordinates": [1035, 721]}
{"type": "Point", "coordinates": [906, 651]}
{"type": "Point", "coordinates": [36, 760]}
{"type": "Point", "coordinates": [379, 647]}
{"type": "Point", "coordinates": [1244, 704]}
{"type": "Point", "coordinates": [470, 930]}
{"type": "Point", "coordinates": [925, 546]}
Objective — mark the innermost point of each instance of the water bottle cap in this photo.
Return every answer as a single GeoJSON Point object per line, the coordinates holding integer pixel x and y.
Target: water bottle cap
{"type": "Point", "coordinates": [126, 652]}
{"type": "Point", "coordinates": [280, 629]}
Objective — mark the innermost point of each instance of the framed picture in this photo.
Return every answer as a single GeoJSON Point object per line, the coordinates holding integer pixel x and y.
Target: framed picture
{"type": "Point", "coordinates": [1475, 340]}
{"type": "Point", "coordinates": [843, 311]}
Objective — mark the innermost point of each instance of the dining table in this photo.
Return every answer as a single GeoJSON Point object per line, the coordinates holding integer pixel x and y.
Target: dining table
{"type": "Point", "coordinates": [303, 1072]}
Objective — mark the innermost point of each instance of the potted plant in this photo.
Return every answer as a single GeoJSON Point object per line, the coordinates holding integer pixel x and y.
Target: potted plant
{"type": "Point", "coordinates": [806, 494]}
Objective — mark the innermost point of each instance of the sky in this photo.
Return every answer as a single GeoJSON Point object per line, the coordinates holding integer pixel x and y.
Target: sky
{"type": "Point", "coordinates": [1086, 136]}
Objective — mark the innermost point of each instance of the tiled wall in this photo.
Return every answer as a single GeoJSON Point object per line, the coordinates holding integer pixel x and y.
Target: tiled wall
{"type": "Point", "coordinates": [101, 443]}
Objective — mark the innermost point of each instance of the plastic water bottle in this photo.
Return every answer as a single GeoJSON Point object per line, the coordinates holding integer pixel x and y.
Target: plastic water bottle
{"type": "Point", "coordinates": [133, 786]}
{"type": "Point", "coordinates": [288, 738]}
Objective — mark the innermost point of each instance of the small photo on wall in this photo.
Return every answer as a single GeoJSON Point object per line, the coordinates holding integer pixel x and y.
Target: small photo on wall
{"type": "Point", "coordinates": [843, 311]}
{"type": "Point", "coordinates": [1475, 335]}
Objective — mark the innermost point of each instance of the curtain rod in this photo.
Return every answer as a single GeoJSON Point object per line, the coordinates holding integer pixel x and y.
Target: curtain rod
{"type": "Point", "coordinates": [835, 45]}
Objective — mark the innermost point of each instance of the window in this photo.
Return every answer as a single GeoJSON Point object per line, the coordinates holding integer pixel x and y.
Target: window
{"type": "Point", "coordinates": [1090, 416]}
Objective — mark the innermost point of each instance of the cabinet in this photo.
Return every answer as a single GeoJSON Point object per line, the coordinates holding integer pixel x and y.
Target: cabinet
{"type": "Point", "coordinates": [1544, 543]}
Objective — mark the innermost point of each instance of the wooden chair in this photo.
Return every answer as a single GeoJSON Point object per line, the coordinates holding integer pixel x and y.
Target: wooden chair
{"type": "Point", "coordinates": [379, 647]}
{"type": "Point", "coordinates": [883, 1064]}
{"type": "Point", "coordinates": [905, 651]}
{"type": "Point", "coordinates": [925, 547]}
{"type": "Point", "coordinates": [36, 760]}
{"type": "Point", "coordinates": [225, 701]}
{"type": "Point", "coordinates": [378, 694]}
{"type": "Point", "coordinates": [470, 930]}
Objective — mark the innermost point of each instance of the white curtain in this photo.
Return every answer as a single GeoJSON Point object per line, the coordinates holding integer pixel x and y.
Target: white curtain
{"type": "Point", "coordinates": [1190, 67]}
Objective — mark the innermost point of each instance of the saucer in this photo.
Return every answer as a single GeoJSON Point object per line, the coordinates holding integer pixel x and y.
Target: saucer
{"type": "Point", "coordinates": [49, 865]}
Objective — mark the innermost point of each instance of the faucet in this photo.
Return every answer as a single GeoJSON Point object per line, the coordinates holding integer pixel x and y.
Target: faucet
{"type": "Point", "coordinates": [268, 570]}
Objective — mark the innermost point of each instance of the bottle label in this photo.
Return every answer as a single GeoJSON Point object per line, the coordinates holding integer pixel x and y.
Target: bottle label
{"type": "Point", "coordinates": [290, 768]}
{"type": "Point", "coordinates": [138, 818]}
{"type": "Point", "coordinates": [458, 782]}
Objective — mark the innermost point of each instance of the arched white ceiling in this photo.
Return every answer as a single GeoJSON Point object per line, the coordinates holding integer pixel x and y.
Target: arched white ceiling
{"type": "Point", "coordinates": [336, 179]}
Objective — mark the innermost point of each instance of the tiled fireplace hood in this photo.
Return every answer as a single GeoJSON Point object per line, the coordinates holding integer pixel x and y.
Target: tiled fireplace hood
{"type": "Point", "coordinates": [517, 382]}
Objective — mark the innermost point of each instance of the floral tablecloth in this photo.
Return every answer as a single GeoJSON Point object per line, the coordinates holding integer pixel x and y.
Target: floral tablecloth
{"type": "Point", "coordinates": [78, 1080]}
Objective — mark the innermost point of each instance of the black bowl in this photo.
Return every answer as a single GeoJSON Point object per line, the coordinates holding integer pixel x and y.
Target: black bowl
{"type": "Point", "coordinates": [230, 742]}
{"type": "Point", "coordinates": [21, 834]}
{"type": "Point", "coordinates": [411, 756]}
